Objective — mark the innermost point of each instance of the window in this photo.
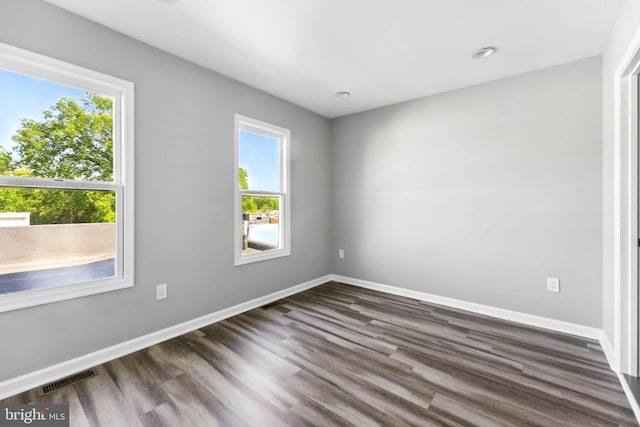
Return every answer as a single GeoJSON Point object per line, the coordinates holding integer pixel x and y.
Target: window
{"type": "Point", "coordinates": [66, 180]}
{"type": "Point", "coordinates": [262, 225]}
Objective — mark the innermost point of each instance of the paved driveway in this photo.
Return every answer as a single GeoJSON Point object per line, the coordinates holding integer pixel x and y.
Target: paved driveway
{"type": "Point", "coordinates": [51, 277]}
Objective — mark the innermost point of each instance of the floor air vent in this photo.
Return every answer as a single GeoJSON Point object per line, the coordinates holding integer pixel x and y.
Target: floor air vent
{"type": "Point", "coordinates": [63, 382]}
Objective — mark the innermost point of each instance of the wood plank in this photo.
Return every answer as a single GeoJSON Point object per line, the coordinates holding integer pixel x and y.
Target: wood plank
{"type": "Point", "coordinates": [338, 355]}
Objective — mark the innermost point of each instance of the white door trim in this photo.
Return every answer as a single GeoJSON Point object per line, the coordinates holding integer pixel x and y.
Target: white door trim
{"type": "Point", "coordinates": [625, 254]}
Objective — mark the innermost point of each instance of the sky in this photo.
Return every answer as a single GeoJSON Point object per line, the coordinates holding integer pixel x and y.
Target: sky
{"type": "Point", "coordinates": [259, 156]}
{"type": "Point", "coordinates": [26, 97]}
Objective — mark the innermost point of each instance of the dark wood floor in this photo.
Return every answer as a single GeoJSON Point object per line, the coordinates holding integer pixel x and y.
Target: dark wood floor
{"type": "Point", "coordinates": [340, 355]}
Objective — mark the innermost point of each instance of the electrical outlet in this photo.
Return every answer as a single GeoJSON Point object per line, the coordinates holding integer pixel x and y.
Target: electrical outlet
{"type": "Point", "coordinates": [553, 284]}
{"type": "Point", "coordinates": [341, 253]}
{"type": "Point", "coordinates": [161, 291]}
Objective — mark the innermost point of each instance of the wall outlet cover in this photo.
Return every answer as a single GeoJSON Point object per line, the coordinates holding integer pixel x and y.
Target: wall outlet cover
{"type": "Point", "coordinates": [161, 291]}
{"type": "Point", "coordinates": [553, 284]}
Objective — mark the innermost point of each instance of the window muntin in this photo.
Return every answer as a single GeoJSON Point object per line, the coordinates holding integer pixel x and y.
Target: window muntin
{"type": "Point", "coordinates": [66, 187]}
{"type": "Point", "coordinates": [262, 197]}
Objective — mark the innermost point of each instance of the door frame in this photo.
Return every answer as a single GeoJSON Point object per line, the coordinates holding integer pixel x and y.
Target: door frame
{"type": "Point", "coordinates": [625, 218]}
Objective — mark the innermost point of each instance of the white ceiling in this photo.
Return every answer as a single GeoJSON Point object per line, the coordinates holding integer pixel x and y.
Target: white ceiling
{"type": "Point", "coordinates": [382, 51]}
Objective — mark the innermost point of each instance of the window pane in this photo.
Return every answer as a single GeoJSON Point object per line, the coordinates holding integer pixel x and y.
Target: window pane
{"type": "Point", "coordinates": [260, 223]}
{"type": "Point", "coordinates": [51, 130]}
{"type": "Point", "coordinates": [55, 237]}
{"type": "Point", "coordinates": [259, 162]}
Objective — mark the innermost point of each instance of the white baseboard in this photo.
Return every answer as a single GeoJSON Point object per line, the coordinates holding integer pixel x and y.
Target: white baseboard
{"type": "Point", "coordinates": [501, 313]}
{"type": "Point", "coordinates": [43, 376]}
{"type": "Point", "coordinates": [608, 352]}
{"type": "Point", "coordinates": [630, 397]}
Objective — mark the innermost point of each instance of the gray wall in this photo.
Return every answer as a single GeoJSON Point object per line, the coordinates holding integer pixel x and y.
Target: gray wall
{"type": "Point", "coordinates": [479, 194]}
{"type": "Point", "coordinates": [184, 166]}
{"type": "Point", "coordinates": [621, 36]}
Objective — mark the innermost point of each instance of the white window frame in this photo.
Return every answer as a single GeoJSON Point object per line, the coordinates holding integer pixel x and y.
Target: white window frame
{"type": "Point", "coordinates": [28, 63]}
{"type": "Point", "coordinates": [284, 137]}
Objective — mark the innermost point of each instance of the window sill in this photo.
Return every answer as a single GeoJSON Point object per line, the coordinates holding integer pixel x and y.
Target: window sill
{"type": "Point", "coordinates": [30, 298]}
{"type": "Point", "coordinates": [262, 256]}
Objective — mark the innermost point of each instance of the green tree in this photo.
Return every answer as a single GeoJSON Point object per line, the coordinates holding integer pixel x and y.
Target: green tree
{"type": "Point", "coordinates": [243, 179]}
{"type": "Point", "coordinates": [73, 207]}
{"type": "Point", "coordinates": [254, 204]}
{"type": "Point", "coordinates": [18, 199]}
{"type": "Point", "coordinates": [73, 141]}
{"type": "Point", "coordinates": [248, 205]}
{"type": "Point", "coordinates": [266, 204]}
{"type": "Point", "coordinates": [5, 162]}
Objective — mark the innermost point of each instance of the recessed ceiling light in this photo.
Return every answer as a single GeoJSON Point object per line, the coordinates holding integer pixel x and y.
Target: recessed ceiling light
{"type": "Point", "coordinates": [484, 52]}
{"type": "Point", "coordinates": [343, 94]}
{"type": "Point", "coordinates": [169, 1]}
